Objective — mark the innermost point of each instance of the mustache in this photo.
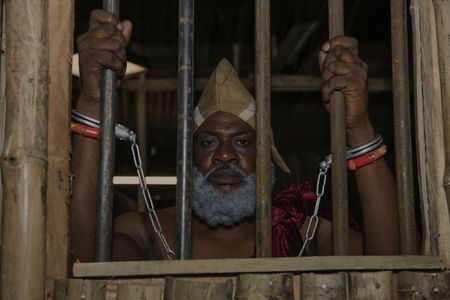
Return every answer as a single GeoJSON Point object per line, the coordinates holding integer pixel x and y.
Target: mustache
{"type": "Point", "coordinates": [228, 169]}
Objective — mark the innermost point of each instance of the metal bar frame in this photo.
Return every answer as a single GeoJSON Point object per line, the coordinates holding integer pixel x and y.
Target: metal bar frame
{"type": "Point", "coordinates": [402, 128]}
{"type": "Point", "coordinates": [184, 128]}
{"type": "Point", "coordinates": [107, 150]}
{"type": "Point", "coordinates": [338, 145]}
{"type": "Point", "coordinates": [263, 130]}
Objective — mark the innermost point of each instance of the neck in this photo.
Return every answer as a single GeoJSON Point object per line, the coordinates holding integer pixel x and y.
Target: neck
{"type": "Point", "coordinates": [239, 231]}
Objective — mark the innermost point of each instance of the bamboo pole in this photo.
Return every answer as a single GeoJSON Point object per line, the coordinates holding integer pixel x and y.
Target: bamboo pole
{"type": "Point", "coordinates": [184, 129]}
{"type": "Point", "coordinates": [193, 289]}
{"type": "Point", "coordinates": [106, 154]}
{"type": "Point", "coordinates": [2, 99]}
{"type": "Point", "coordinates": [402, 128]}
{"type": "Point", "coordinates": [265, 286]}
{"type": "Point", "coordinates": [419, 285]}
{"type": "Point", "coordinates": [24, 159]}
{"type": "Point", "coordinates": [338, 144]}
{"type": "Point", "coordinates": [263, 168]}
{"type": "Point", "coordinates": [370, 285]}
{"type": "Point", "coordinates": [323, 286]}
{"type": "Point", "coordinates": [58, 191]}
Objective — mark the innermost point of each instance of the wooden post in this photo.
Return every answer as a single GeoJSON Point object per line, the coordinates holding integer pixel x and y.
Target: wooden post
{"type": "Point", "coordinates": [24, 159]}
{"type": "Point", "coordinates": [338, 144]}
{"type": "Point", "coordinates": [419, 285]}
{"type": "Point", "coordinates": [402, 128]}
{"type": "Point", "coordinates": [373, 285]}
{"type": "Point", "coordinates": [193, 289]}
{"type": "Point", "coordinates": [58, 191]}
{"type": "Point", "coordinates": [323, 286]}
{"type": "Point", "coordinates": [442, 12]}
{"type": "Point", "coordinates": [263, 130]}
{"type": "Point", "coordinates": [429, 123]}
{"type": "Point", "coordinates": [265, 286]}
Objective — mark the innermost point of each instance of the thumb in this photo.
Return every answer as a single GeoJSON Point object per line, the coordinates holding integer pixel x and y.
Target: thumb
{"type": "Point", "coordinates": [127, 30]}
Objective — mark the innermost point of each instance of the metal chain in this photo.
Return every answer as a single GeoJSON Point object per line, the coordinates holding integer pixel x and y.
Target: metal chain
{"type": "Point", "coordinates": [149, 201]}
{"type": "Point", "coordinates": [320, 189]}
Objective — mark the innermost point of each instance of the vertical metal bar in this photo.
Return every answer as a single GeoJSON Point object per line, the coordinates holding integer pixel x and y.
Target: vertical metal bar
{"type": "Point", "coordinates": [338, 144]}
{"type": "Point", "coordinates": [402, 127]}
{"type": "Point", "coordinates": [141, 113]}
{"type": "Point", "coordinates": [107, 149]}
{"type": "Point", "coordinates": [263, 129]}
{"type": "Point", "coordinates": [184, 129]}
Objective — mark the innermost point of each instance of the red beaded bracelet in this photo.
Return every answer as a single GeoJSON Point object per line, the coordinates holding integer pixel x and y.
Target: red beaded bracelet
{"type": "Point", "coordinates": [366, 159]}
{"type": "Point", "coordinates": [85, 130]}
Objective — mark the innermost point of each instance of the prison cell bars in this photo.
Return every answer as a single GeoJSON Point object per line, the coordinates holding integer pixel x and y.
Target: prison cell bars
{"type": "Point", "coordinates": [263, 129]}
{"type": "Point", "coordinates": [402, 128]}
{"type": "Point", "coordinates": [338, 144]}
{"type": "Point", "coordinates": [184, 127]}
{"type": "Point", "coordinates": [106, 156]}
{"type": "Point", "coordinates": [338, 139]}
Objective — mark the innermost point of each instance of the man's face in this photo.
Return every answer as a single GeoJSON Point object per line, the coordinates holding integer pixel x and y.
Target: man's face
{"type": "Point", "coordinates": [221, 140]}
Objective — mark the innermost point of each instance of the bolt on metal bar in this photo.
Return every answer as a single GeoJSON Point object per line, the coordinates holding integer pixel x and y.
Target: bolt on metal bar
{"type": "Point", "coordinates": [184, 128]}
{"type": "Point", "coordinates": [263, 130]}
{"type": "Point", "coordinates": [402, 128]}
{"type": "Point", "coordinates": [338, 144]}
{"type": "Point", "coordinates": [107, 149]}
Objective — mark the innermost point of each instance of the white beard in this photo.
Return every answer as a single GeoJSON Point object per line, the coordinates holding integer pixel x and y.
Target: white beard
{"type": "Point", "coordinates": [223, 209]}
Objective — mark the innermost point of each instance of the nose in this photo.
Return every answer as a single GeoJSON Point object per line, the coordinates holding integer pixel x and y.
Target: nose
{"type": "Point", "coordinates": [225, 152]}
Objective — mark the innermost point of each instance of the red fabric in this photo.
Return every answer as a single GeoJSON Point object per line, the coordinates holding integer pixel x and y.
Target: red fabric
{"type": "Point", "coordinates": [289, 210]}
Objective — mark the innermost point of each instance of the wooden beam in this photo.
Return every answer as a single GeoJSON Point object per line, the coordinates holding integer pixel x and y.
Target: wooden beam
{"type": "Point", "coordinates": [58, 192]}
{"type": "Point", "coordinates": [285, 83]}
{"type": "Point", "coordinates": [256, 265]}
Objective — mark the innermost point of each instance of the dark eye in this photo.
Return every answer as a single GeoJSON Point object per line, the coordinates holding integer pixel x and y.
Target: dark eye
{"type": "Point", "coordinates": [207, 142]}
{"type": "Point", "coordinates": [243, 141]}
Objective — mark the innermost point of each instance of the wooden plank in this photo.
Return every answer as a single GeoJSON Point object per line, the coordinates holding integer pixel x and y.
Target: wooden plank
{"type": "Point", "coordinates": [428, 120]}
{"type": "Point", "coordinates": [192, 289]}
{"type": "Point", "coordinates": [442, 14]}
{"type": "Point", "coordinates": [418, 285]}
{"type": "Point", "coordinates": [323, 286]}
{"type": "Point", "coordinates": [280, 83]}
{"type": "Point", "coordinates": [58, 191]}
{"type": "Point", "coordinates": [141, 292]}
{"type": "Point", "coordinates": [255, 265]}
{"type": "Point", "coordinates": [265, 286]}
{"type": "Point", "coordinates": [370, 285]}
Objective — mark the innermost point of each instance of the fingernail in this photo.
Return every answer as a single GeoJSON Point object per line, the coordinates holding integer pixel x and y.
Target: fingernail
{"type": "Point", "coordinates": [120, 26]}
{"type": "Point", "coordinates": [326, 47]}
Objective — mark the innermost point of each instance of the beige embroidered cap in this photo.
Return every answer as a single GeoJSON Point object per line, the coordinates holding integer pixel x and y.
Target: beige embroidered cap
{"type": "Point", "coordinates": [225, 92]}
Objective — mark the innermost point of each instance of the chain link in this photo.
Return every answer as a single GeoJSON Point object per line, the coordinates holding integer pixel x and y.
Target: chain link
{"type": "Point", "coordinates": [320, 190]}
{"type": "Point", "coordinates": [149, 201]}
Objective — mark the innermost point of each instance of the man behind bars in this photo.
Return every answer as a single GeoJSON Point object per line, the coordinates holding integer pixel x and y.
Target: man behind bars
{"type": "Point", "coordinates": [223, 223]}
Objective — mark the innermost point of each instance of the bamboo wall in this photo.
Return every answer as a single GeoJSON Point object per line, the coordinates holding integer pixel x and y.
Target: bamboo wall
{"type": "Point", "coordinates": [341, 285]}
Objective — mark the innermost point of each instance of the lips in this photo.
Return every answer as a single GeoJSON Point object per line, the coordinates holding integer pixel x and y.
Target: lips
{"type": "Point", "coordinates": [225, 176]}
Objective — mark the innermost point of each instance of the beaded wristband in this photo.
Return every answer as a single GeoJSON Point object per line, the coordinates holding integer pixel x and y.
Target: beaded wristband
{"type": "Point", "coordinates": [366, 159]}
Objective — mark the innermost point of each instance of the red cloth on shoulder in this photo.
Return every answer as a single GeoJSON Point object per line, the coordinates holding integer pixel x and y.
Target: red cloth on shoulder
{"type": "Point", "coordinates": [289, 211]}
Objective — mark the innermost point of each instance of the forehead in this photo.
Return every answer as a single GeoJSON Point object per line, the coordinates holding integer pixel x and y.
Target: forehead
{"type": "Point", "coordinates": [223, 122]}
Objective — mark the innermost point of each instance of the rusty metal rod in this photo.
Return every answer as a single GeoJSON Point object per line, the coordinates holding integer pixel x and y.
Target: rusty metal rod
{"type": "Point", "coordinates": [184, 129]}
{"type": "Point", "coordinates": [107, 149]}
{"type": "Point", "coordinates": [338, 144]}
{"type": "Point", "coordinates": [402, 128]}
{"type": "Point", "coordinates": [263, 130]}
